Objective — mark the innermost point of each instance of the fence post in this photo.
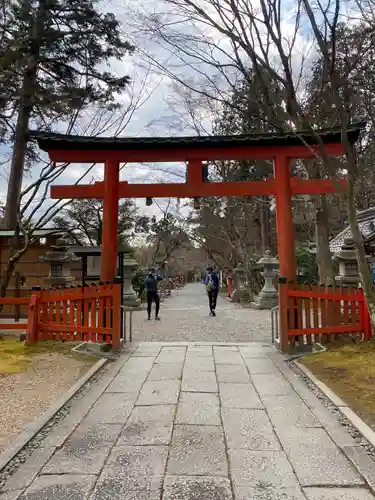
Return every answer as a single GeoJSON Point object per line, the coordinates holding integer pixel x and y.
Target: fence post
{"type": "Point", "coordinates": [17, 295]}
{"type": "Point", "coordinates": [230, 286]}
{"type": "Point", "coordinates": [368, 322]}
{"type": "Point", "coordinates": [33, 317]}
{"type": "Point", "coordinates": [116, 314]}
{"type": "Point", "coordinates": [364, 315]}
{"type": "Point", "coordinates": [283, 314]}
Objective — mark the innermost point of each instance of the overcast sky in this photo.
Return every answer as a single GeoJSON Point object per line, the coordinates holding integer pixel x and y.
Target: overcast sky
{"type": "Point", "coordinates": [153, 117]}
{"type": "Point", "coordinates": [158, 114]}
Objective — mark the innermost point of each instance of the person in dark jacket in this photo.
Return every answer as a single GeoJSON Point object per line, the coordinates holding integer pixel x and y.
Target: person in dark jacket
{"type": "Point", "coordinates": [212, 283]}
{"type": "Point", "coordinates": [151, 285]}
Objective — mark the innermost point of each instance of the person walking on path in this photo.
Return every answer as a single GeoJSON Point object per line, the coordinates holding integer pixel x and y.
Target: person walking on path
{"type": "Point", "coordinates": [212, 283]}
{"type": "Point", "coordinates": [151, 285]}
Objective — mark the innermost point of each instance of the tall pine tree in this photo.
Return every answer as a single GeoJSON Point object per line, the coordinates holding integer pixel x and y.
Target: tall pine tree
{"type": "Point", "coordinates": [54, 61]}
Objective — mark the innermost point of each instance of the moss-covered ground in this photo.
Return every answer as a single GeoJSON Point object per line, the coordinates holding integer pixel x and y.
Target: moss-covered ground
{"type": "Point", "coordinates": [349, 370]}
{"type": "Point", "coordinates": [15, 356]}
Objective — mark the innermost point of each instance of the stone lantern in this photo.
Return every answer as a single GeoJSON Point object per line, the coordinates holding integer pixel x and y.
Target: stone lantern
{"type": "Point", "coordinates": [59, 260]}
{"type": "Point", "coordinates": [160, 266]}
{"type": "Point", "coordinates": [240, 292]}
{"type": "Point", "coordinates": [130, 265]}
{"type": "Point", "coordinates": [348, 265]}
{"type": "Point", "coordinates": [267, 298]}
{"type": "Point", "coordinates": [166, 277]}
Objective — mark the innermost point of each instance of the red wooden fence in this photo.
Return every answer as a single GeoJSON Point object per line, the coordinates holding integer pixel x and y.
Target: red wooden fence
{"type": "Point", "coordinates": [78, 314]}
{"type": "Point", "coordinates": [320, 314]}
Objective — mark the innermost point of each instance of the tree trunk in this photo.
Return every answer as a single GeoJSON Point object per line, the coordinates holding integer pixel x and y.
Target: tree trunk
{"type": "Point", "coordinates": [363, 265]}
{"type": "Point", "coordinates": [27, 100]}
{"type": "Point", "coordinates": [322, 233]}
{"type": "Point", "coordinates": [18, 158]}
{"type": "Point", "coordinates": [7, 276]}
{"type": "Point", "coordinates": [323, 256]}
{"type": "Point", "coordinates": [11, 265]}
{"type": "Point", "coordinates": [264, 226]}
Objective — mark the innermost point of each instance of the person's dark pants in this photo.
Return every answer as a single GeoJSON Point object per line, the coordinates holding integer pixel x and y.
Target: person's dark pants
{"type": "Point", "coordinates": [153, 297]}
{"type": "Point", "coordinates": [212, 298]}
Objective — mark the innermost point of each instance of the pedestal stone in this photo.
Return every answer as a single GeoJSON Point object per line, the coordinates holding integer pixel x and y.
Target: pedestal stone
{"type": "Point", "coordinates": [267, 298]}
{"type": "Point", "coordinates": [130, 298]}
{"type": "Point", "coordinates": [240, 293]}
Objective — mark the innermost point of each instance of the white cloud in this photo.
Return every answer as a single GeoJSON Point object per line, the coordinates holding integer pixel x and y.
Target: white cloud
{"type": "Point", "coordinates": [153, 89]}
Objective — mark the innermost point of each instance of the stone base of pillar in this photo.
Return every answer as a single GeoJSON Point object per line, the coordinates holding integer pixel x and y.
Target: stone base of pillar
{"type": "Point", "coordinates": [265, 300]}
{"type": "Point", "coordinates": [131, 300]}
{"type": "Point", "coordinates": [240, 295]}
{"type": "Point", "coordinates": [298, 348]}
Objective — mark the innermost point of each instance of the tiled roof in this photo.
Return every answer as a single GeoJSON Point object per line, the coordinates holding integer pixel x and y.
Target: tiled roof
{"type": "Point", "coordinates": [36, 232]}
{"type": "Point", "coordinates": [366, 223]}
{"type": "Point", "coordinates": [90, 251]}
{"type": "Point", "coordinates": [48, 141]}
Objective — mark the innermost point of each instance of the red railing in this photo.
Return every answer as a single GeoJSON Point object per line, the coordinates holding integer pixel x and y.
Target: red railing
{"type": "Point", "coordinates": [78, 314]}
{"type": "Point", "coordinates": [321, 314]}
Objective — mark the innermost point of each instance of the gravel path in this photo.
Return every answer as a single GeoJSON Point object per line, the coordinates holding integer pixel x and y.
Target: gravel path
{"type": "Point", "coordinates": [25, 396]}
{"type": "Point", "coordinates": [185, 318]}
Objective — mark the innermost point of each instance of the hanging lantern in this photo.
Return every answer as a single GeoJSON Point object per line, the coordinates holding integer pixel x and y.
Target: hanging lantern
{"type": "Point", "coordinates": [148, 201]}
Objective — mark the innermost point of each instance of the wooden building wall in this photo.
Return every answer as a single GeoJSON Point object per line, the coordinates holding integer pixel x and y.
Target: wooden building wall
{"type": "Point", "coordinates": [32, 269]}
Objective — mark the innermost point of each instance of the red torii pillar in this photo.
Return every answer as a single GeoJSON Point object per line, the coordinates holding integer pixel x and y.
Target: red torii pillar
{"type": "Point", "coordinates": [284, 219]}
{"type": "Point", "coordinates": [109, 257]}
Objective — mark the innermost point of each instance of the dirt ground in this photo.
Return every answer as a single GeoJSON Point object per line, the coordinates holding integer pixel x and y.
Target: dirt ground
{"type": "Point", "coordinates": [349, 370]}
{"type": "Point", "coordinates": [31, 379]}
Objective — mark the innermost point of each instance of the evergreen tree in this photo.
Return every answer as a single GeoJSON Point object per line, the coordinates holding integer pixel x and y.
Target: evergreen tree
{"type": "Point", "coordinates": [54, 62]}
{"type": "Point", "coordinates": [85, 217]}
{"type": "Point", "coordinates": [236, 229]}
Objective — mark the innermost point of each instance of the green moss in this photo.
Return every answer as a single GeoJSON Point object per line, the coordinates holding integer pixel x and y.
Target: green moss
{"type": "Point", "coordinates": [15, 356]}
{"type": "Point", "coordinates": [349, 370]}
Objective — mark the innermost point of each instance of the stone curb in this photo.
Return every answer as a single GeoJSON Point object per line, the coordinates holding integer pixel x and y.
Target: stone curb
{"type": "Point", "coordinates": [198, 343]}
{"type": "Point", "coordinates": [353, 418]}
{"type": "Point", "coordinates": [355, 453]}
{"type": "Point", "coordinates": [32, 429]}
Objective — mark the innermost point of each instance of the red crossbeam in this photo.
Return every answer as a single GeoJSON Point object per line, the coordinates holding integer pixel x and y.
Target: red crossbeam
{"type": "Point", "coordinates": [203, 189]}
{"type": "Point", "coordinates": [202, 154]}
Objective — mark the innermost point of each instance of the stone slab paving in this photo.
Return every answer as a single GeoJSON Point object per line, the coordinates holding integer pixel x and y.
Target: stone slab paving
{"type": "Point", "coordinates": [197, 422]}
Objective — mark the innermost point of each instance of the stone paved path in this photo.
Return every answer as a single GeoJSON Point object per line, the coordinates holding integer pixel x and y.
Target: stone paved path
{"type": "Point", "coordinates": [185, 318]}
{"type": "Point", "coordinates": [195, 422]}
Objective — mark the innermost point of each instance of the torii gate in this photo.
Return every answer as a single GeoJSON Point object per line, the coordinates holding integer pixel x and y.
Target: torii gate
{"type": "Point", "coordinates": [282, 148]}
